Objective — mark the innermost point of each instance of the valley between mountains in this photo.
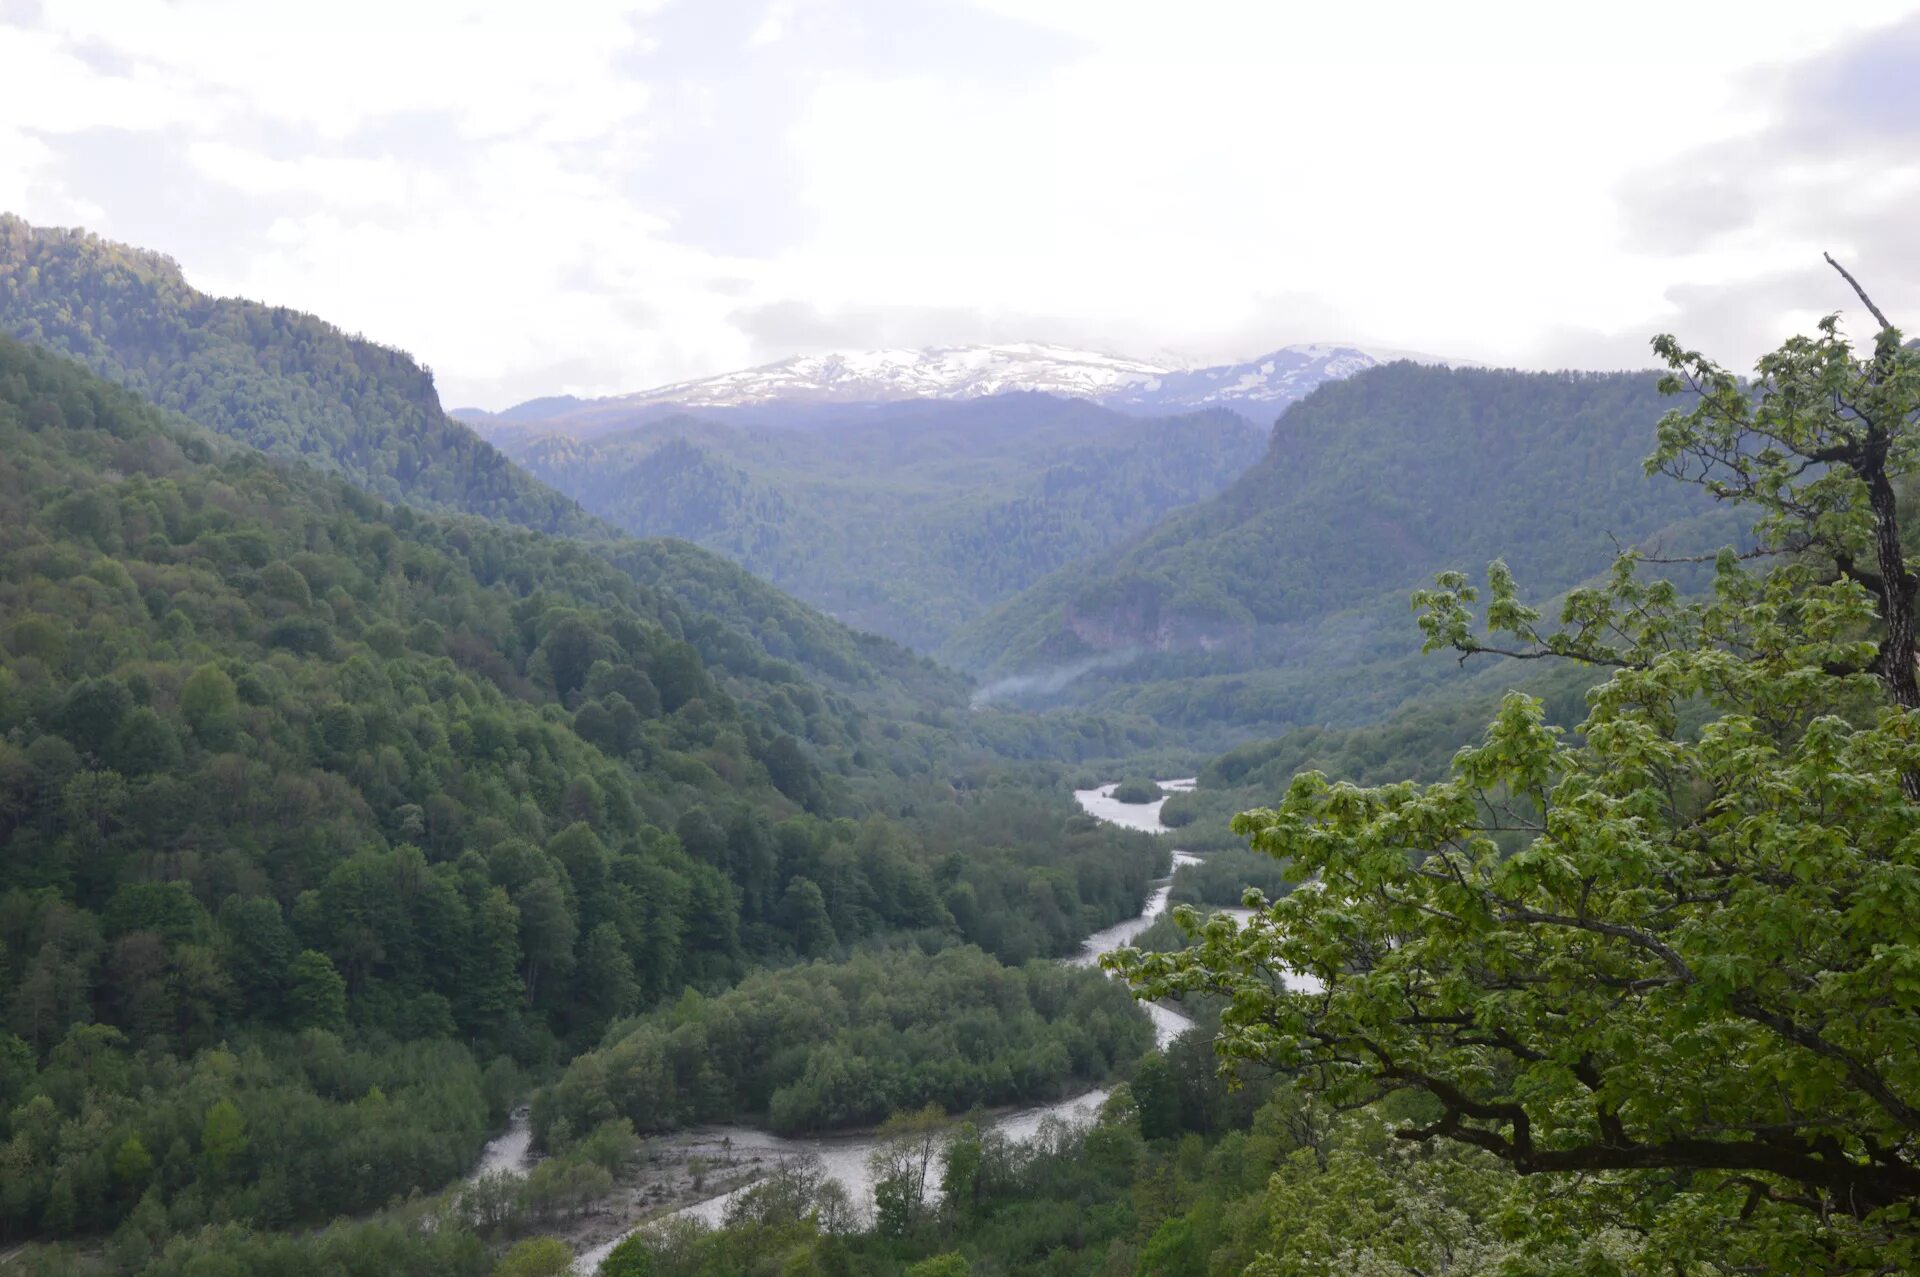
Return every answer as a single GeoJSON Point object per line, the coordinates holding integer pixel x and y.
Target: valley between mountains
{"type": "Point", "coordinates": [712, 829]}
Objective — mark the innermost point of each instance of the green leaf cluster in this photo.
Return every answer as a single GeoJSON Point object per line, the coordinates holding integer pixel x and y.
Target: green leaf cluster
{"type": "Point", "coordinates": [1662, 966]}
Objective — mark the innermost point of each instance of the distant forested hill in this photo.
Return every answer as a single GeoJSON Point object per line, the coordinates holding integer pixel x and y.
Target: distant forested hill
{"type": "Point", "coordinates": [282, 381]}
{"type": "Point", "coordinates": [907, 519]}
{"type": "Point", "coordinates": [1283, 600]}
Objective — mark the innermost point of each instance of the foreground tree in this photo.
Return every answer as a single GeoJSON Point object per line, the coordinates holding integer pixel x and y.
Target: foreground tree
{"type": "Point", "coordinates": [1667, 969]}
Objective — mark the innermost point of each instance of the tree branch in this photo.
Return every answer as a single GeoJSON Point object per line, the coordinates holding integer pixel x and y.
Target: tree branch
{"type": "Point", "coordinates": [1858, 291]}
{"type": "Point", "coordinates": [1857, 1071]}
{"type": "Point", "coordinates": [1545, 654]}
{"type": "Point", "coordinates": [1631, 935]}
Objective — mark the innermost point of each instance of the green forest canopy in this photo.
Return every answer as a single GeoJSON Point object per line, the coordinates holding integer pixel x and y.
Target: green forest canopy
{"type": "Point", "coordinates": [324, 817]}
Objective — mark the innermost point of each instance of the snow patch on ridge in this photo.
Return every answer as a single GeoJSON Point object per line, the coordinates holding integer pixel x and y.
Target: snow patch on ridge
{"type": "Point", "coordinates": [943, 372]}
{"type": "Point", "coordinates": [969, 372]}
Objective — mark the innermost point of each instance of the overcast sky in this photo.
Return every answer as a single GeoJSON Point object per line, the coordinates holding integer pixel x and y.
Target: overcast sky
{"type": "Point", "coordinates": [597, 197]}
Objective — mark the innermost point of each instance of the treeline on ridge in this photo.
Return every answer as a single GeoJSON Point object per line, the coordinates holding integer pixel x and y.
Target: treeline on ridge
{"type": "Point", "coordinates": [282, 381]}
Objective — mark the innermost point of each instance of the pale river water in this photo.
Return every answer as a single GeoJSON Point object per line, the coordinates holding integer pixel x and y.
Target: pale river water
{"type": "Point", "coordinates": [506, 1153]}
{"type": "Point", "coordinates": [844, 1158]}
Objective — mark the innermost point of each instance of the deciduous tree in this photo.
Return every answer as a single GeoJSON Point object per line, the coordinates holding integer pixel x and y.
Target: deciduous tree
{"type": "Point", "coordinates": [1689, 1001]}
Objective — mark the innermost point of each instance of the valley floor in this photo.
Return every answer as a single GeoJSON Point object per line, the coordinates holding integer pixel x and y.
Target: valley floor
{"type": "Point", "coordinates": [696, 1173]}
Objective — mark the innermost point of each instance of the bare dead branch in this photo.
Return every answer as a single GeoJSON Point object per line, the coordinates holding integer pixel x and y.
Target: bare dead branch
{"type": "Point", "coordinates": [1858, 291]}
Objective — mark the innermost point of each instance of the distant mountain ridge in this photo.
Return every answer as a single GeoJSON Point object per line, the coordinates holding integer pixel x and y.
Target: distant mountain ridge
{"type": "Point", "coordinates": [1268, 383]}
{"type": "Point", "coordinates": [937, 372]}
{"type": "Point", "coordinates": [1283, 599]}
{"type": "Point", "coordinates": [1257, 387]}
{"type": "Point", "coordinates": [908, 518]}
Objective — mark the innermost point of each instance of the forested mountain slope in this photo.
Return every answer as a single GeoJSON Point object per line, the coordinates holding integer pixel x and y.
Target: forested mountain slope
{"type": "Point", "coordinates": [906, 519]}
{"type": "Point", "coordinates": [285, 382]}
{"type": "Point", "coordinates": [322, 817]}
{"type": "Point", "coordinates": [1242, 607]}
{"type": "Point", "coordinates": [294, 386]}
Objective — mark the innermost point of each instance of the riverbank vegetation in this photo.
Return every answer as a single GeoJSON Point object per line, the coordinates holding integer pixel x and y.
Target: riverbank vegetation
{"type": "Point", "coordinates": [833, 1045]}
{"type": "Point", "coordinates": [1223, 877]}
{"type": "Point", "coordinates": [1181, 1176]}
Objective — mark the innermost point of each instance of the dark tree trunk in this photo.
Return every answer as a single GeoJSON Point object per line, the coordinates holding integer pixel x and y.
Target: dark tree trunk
{"type": "Point", "coordinates": [1896, 653]}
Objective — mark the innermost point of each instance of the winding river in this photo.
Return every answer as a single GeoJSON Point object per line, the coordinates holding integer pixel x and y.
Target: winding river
{"type": "Point", "coordinates": [844, 1157]}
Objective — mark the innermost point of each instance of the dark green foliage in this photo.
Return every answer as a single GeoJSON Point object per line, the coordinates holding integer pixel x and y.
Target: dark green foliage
{"type": "Point", "coordinates": [740, 625]}
{"type": "Point", "coordinates": [377, 1249]}
{"type": "Point", "coordinates": [316, 996]}
{"type": "Point", "coordinates": [286, 1129]}
{"type": "Point", "coordinates": [803, 911]}
{"type": "Point", "coordinates": [1222, 878]}
{"type": "Point", "coordinates": [1136, 789]}
{"type": "Point", "coordinates": [296, 387]}
{"type": "Point", "coordinates": [631, 1258]}
{"type": "Point", "coordinates": [1022, 881]}
{"type": "Point", "coordinates": [823, 1045]}
{"type": "Point", "coordinates": [211, 707]}
{"type": "Point", "coordinates": [908, 519]}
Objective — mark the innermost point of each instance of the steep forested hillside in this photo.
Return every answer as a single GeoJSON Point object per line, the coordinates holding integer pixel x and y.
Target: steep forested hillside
{"type": "Point", "coordinates": [322, 818]}
{"type": "Point", "coordinates": [294, 386]}
{"type": "Point", "coordinates": [285, 382]}
{"type": "Point", "coordinates": [905, 519]}
{"type": "Point", "coordinates": [1241, 608]}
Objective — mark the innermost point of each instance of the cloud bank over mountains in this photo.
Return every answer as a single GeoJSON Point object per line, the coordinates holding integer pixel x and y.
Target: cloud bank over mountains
{"type": "Point", "coordinates": [635, 194]}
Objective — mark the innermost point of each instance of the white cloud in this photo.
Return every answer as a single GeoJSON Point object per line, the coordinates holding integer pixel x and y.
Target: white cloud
{"type": "Point", "coordinates": [773, 24]}
{"type": "Point", "coordinates": [602, 196]}
{"type": "Point", "coordinates": [343, 182]}
{"type": "Point", "coordinates": [499, 69]}
{"type": "Point", "coordinates": [1451, 184]}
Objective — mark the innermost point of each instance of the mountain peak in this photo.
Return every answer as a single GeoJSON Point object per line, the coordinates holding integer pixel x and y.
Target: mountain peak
{"type": "Point", "coordinates": [934, 372]}
{"type": "Point", "coordinates": [890, 374]}
{"type": "Point", "coordinates": [1263, 384]}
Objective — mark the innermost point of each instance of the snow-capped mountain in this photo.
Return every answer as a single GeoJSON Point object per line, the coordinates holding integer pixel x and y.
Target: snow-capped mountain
{"type": "Point", "coordinates": [1258, 387]}
{"type": "Point", "coordinates": [1271, 381]}
{"type": "Point", "coordinates": [939, 372]}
